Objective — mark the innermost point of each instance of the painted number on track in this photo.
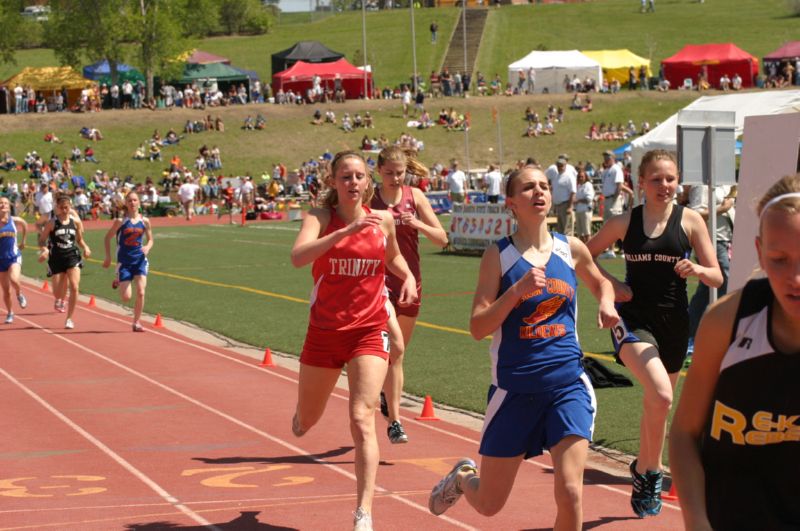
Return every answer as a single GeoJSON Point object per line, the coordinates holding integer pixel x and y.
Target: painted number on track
{"type": "Point", "coordinates": [52, 486]}
{"type": "Point", "coordinates": [225, 477]}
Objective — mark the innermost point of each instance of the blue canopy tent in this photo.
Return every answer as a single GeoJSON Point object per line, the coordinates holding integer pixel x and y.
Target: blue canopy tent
{"type": "Point", "coordinates": [101, 72]}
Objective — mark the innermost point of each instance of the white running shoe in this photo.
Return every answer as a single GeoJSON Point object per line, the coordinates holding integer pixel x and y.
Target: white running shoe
{"type": "Point", "coordinates": [9, 318]}
{"type": "Point", "coordinates": [23, 302]}
{"type": "Point", "coordinates": [362, 520]}
{"type": "Point", "coordinates": [69, 325]}
{"type": "Point", "coordinates": [446, 493]}
{"type": "Point", "coordinates": [605, 255]}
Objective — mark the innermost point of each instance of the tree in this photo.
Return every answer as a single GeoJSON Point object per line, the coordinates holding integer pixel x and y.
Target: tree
{"type": "Point", "coordinates": [10, 22]}
{"type": "Point", "coordinates": [88, 29]}
{"type": "Point", "coordinates": [201, 18]}
{"type": "Point", "coordinates": [238, 16]}
{"type": "Point", "coordinates": [157, 31]}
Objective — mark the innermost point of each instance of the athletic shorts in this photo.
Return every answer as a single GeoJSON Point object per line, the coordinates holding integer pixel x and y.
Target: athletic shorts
{"type": "Point", "coordinates": [6, 263]}
{"type": "Point", "coordinates": [529, 423]}
{"type": "Point", "coordinates": [126, 272]}
{"type": "Point", "coordinates": [393, 285]}
{"type": "Point", "coordinates": [667, 330]}
{"type": "Point", "coordinates": [58, 264]}
{"type": "Point", "coordinates": [333, 349]}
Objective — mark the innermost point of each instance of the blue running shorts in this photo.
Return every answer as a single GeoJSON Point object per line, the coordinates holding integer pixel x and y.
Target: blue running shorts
{"type": "Point", "coordinates": [528, 423]}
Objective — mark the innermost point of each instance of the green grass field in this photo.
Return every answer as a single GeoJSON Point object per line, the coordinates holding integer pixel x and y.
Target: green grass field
{"type": "Point", "coordinates": [239, 282]}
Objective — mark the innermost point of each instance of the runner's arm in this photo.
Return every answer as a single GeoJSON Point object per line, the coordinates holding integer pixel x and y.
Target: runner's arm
{"type": "Point", "coordinates": [693, 409]}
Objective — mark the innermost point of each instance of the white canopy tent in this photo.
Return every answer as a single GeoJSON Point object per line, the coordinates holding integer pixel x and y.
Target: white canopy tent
{"type": "Point", "coordinates": [665, 136]}
{"type": "Point", "coordinates": [551, 67]}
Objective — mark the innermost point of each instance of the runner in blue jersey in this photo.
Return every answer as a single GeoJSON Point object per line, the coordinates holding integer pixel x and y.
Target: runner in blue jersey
{"type": "Point", "coordinates": [10, 256]}
{"type": "Point", "coordinates": [540, 399]}
{"type": "Point", "coordinates": [132, 254]}
{"type": "Point", "coordinates": [736, 433]}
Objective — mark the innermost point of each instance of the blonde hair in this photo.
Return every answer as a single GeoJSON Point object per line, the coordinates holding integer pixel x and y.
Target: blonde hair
{"type": "Point", "coordinates": [331, 198]}
{"type": "Point", "coordinates": [407, 156]}
{"type": "Point", "coordinates": [789, 186]}
{"type": "Point", "coordinates": [653, 156]}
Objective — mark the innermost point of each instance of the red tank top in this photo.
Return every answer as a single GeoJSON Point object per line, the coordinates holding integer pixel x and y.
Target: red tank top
{"type": "Point", "coordinates": [349, 289]}
{"type": "Point", "coordinates": [407, 236]}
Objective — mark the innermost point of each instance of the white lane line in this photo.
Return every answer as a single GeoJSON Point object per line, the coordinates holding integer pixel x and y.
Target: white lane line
{"type": "Point", "coordinates": [410, 420]}
{"type": "Point", "coordinates": [240, 423]}
{"type": "Point", "coordinates": [141, 476]}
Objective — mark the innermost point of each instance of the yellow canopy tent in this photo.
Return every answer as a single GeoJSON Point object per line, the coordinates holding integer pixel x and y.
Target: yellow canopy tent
{"type": "Point", "coordinates": [616, 63]}
{"type": "Point", "coordinates": [51, 79]}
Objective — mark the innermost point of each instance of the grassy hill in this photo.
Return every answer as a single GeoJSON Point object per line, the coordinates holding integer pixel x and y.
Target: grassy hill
{"type": "Point", "coordinates": [757, 26]}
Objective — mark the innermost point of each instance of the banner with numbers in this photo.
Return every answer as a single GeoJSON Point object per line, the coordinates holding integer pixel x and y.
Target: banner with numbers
{"type": "Point", "coordinates": [475, 226]}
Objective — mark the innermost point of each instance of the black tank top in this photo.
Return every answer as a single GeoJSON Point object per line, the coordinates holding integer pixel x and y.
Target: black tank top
{"type": "Point", "coordinates": [650, 262]}
{"type": "Point", "coordinates": [750, 448]}
{"type": "Point", "coordinates": [62, 238]}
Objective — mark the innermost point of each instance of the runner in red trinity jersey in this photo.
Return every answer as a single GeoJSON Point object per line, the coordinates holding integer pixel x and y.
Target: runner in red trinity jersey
{"type": "Point", "coordinates": [413, 216]}
{"type": "Point", "coordinates": [351, 247]}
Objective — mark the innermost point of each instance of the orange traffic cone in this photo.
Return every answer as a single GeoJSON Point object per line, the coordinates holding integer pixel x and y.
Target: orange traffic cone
{"type": "Point", "coordinates": [267, 359]}
{"type": "Point", "coordinates": [159, 323]}
{"type": "Point", "coordinates": [672, 495]}
{"type": "Point", "coordinates": [92, 302]}
{"type": "Point", "coordinates": [45, 286]}
{"type": "Point", "coordinates": [427, 410]}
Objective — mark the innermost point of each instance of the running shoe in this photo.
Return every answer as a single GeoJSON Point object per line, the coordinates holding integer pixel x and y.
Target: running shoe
{"type": "Point", "coordinates": [397, 435]}
{"type": "Point", "coordinates": [69, 325]}
{"type": "Point", "coordinates": [646, 495]}
{"type": "Point", "coordinates": [446, 493]}
{"type": "Point", "coordinates": [137, 327]}
{"type": "Point", "coordinates": [9, 318]}
{"type": "Point", "coordinates": [60, 307]}
{"type": "Point", "coordinates": [362, 520]}
{"type": "Point", "coordinates": [115, 283]}
{"type": "Point", "coordinates": [384, 406]}
{"type": "Point", "coordinates": [23, 302]}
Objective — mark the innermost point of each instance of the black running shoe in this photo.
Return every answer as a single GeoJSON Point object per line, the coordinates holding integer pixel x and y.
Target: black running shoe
{"type": "Point", "coordinates": [397, 435]}
{"type": "Point", "coordinates": [384, 406]}
{"type": "Point", "coordinates": [646, 495]}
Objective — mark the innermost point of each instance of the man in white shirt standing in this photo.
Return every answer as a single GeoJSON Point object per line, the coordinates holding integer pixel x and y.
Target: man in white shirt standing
{"type": "Point", "coordinates": [492, 181]}
{"type": "Point", "coordinates": [552, 172]}
{"type": "Point", "coordinates": [563, 191]}
{"type": "Point", "coordinates": [457, 182]}
{"type": "Point", "coordinates": [612, 180]}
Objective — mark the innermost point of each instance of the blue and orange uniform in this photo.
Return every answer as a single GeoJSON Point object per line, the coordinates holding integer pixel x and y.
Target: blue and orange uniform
{"type": "Point", "coordinates": [539, 392]}
{"type": "Point", "coordinates": [9, 251]}
{"type": "Point", "coordinates": [349, 311]}
{"type": "Point", "coordinates": [131, 260]}
{"type": "Point", "coordinates": [408, 242]}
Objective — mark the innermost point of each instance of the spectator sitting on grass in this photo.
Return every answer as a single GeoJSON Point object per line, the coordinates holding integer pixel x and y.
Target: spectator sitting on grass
{"type": "Point", "coordinates": [347, 125]}
{"type": "Point", "coordinates": [260, 121]}
{"type": "Point", "coordinates": [171, 138]}
{"type": "Point", "coordinates": [155, 152]}
{"type": "Point", "coordinates": [249, 124]}
{"type": "Point", "coordinates": [330, 117]}
{"type": "Point", "coordinates": [368, 121]}
{"type": "Point", "coordinates": [316, 119]}
{"type": "Point", "coordinates": [52, 138]}
{"type": "Point", "coordinates": [139, 154]}
{"type": "Point", "coordinates": [88, 155]}
{"type": "Point", "coordinates": [549, 128]}
{"type": "Point", "coordinates": [357, 121]}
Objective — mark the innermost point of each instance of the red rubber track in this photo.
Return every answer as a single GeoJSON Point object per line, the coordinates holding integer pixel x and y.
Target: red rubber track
{"type": "Point", "coordinates": [106, 429]}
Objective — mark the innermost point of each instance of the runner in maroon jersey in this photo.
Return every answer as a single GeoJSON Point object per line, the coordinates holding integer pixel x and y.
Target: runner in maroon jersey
{"type": "Point", "coordinates": [350, 247]}
{"type": "Point", "coordinates": [412, 215]}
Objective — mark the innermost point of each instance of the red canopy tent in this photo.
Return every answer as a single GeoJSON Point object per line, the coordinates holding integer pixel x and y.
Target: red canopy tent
{"type": "Point", "coordinates": [299, 77]}
{"type": "Point", "coordinates": [788, 52]}
{"type": "Point", "coordinates": [718, 59]}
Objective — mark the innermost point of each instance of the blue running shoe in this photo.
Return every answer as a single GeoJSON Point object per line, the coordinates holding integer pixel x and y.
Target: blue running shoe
{"type": "Point", "coordinates": [654, 482]}
{"type": "Point", "coordinates": [646, 495]}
